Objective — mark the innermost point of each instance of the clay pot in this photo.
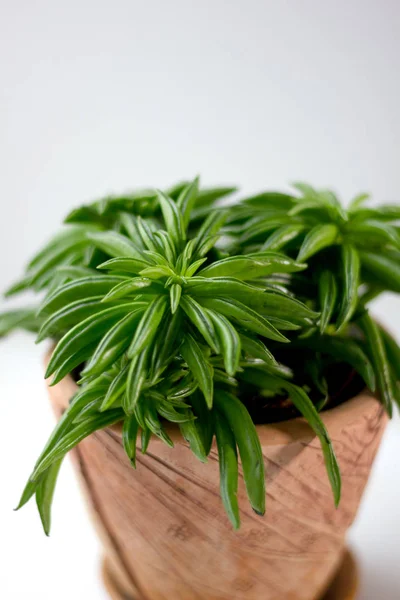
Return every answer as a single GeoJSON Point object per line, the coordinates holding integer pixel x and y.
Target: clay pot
{"type": "Point", "coordinates": [165, 532]}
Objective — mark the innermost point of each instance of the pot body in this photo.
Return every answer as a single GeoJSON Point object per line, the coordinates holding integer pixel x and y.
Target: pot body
{"type": "Point", "coordinates": [165, 530]}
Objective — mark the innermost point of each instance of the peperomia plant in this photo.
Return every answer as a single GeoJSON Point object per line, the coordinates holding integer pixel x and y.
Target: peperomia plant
{"type": "Point", "coordinates": [168, 306]}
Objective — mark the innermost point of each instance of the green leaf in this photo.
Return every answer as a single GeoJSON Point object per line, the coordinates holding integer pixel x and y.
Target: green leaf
{"type": "Point", "coordinates": [191, 269]}
{"type": "Point", "coordinates": [358, 201]}
{"type": "Point", "coordinates": [371, 232]}
{"type": "Point", "coordinates": [115, 244]}
{"type": "Point", "coordinates": [145, 438]}
{"type": "Point", "coordinates": [278, 305]}
{"type": "Point", "coordinates": [377, 352]}
{"type": "Point", "coordinates": [256, 349]}
{"type": "Point", "coordinates": [191, 434]}
{"type": "Point", "coordinates": [327, 290]}
{"type": "Point", "coordinates": [115, 390]}
{"type": "Point", "coordinates": [392, 351]}
{"type": "Point", "coordinates": [247, 317]}
{"type": "Point", "coordinates": [282, 236]}
{"type": "Point", "coordinates": [45, 493]}
{"type": "Point", "coordinates": [166, 245]}
{"type": "Point", "coordinates": [251, 266]}
{"type": "Point", "coordinates": [72, 439]}
{"type": "Point", "coordinates": [351, 281]}
{"type": "Point", "coordinates": [79, 289]}
{"type": "Point", "coordinates": [321, 236]}
{"type": "Point", "coordinates": [384, 212]}
{"type": "Point", "coordinates": [20, 286]}
{"type": "Point", "coordinates": [221, 286]}
{"type": "Point", "coordinates": [69, 315]}
{"type": "Point", "coordinates": [204, 420]}
{"type": "Point", "coordinates": [136, 285]}
{"type": "Point", "coordinates": [228, 469]}
{"type": "Point", "coordinates": [268, 200]}
{"type": "Point", "coordinates": [384, 268]}
{"type": "Point", "coordinates": [156, 257]}
{"type": "Point", "coordinates": [304, 405]}
{"type": "Point", "coordinates": [125, 265]}
{"type": "Point", "coordinates": [157, 272]}
{"type": "Point", "coordinates": [175, 292]}
{"type": "Point", "coordinates": [56, 254]}
{"type": "Point", "coordinates": [249, 446]}
{"type": "Point", "coordinates": [153, 423]}
{"type": "Point", "coordinates": [259, 228]}
{"type": "Point", "coordinates": [165, 345]}
{"type": "Point", "coordinates": [137, 375]}
{"type": "Point", "coordinates": [210, 228]}
{"type": "Point", "coordinates": [130, 432]}
{"type": "Point", "coordinates": [343, 349]}
{"type": "Point", "coordinates": [113, 344]}
{"type": "Point", "coordinates": [75, 271]}
{"type": "Point", "coordinates": [187, 200]}
{"type": "Point", "coordinates": [200, 318]}
{"type": "Point", "coordinates": [201, 369]}
{"type": "Point", "coordinates": [68, 364]}
{"type": "Point", "coordinates": [66, 240]}
{"type": "Point", "coordinates": [18, 319]}
{"type": "Point", "coordinates": [229, 341]}
{"type": "Point", "coordinates": [147, 235]}
{"type": "Point", "coordinates": [148, 325]}
{"type": "Point", "coordinates": [85, 333]}
{"type": "Point", "coordinates": [173, 218]}
{"type": "Point", "coordinates": [207, 196]}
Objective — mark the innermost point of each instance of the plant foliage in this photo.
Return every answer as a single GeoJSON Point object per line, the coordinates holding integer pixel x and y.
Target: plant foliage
{"type": "Point", "coordinates": [178, 309]}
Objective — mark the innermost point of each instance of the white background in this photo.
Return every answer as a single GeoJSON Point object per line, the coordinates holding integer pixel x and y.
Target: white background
{"type": "Point", "coordinates": [105, 96]}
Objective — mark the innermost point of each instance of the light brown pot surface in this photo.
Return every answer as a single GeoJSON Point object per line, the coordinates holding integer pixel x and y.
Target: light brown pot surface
{"type": "Point", "coordinates": [165, 529]}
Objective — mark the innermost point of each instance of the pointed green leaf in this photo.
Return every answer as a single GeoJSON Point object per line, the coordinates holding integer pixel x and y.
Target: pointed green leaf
{"type": "Point", "coordinates": [115, 244]}
{"type": "Point", "coordinates": [136, 285]}
{"type": "Point", "coordinates": [148, 325]}
{"type": "Point", "coordinates": [201, 320]}
{"type": "Point", "coordinates": [247, 317]}
{"type": "Point", "coordinates": [187, 199]}
{"type": "Point", "coordinates": [125, 265]}
{"type": "Point", "coordinates": [304, 405]}
{"type": "Point", "coordinates": [228, 469]}
{"type": "Point", "coordinates": [321, 236]}
{"type": "Point", "coordinates": [115, 390]}
{"type": "Point", "coordinates": [69, 315]}
{"type": "Point", "coordinates": [201, 369]}
{"type": "Point", "coordinates": [173, 218]}
{"type": "Point", "coordinates": [113, 344]}
{"type": "Point", "coordinates": [384, 267]}
{"type": "Point", "coordinates": [72, 439]}
{"type": "Point", "coordinates": [85, 333]}
{"type": "Point", "coordinates": [45, 493]}
{"type": "Point", "coordinates": [229, 341]}
{"type": "Point", "coordinates": [137, 375]}
{"type": "Point", "coordinates": [327, 290]}
{"type": "Point", "coordinates": [377, 352]}
{"type": "Point", "coordinates": [351, 281]}
{"type": "Point", "coordinates": [175, 292]}
{"type": "Point", "coordinates": [343, 349]}
{"type": "Point", "coordinates": [251, 266]}
{"type": "Point", "coordinates": [130, 432]}
{"type": "Point", "coordinates": [282, 236]}
{"type": "Point", "coordinates": [249, 446]}
{"type": "Point", "coordinates": [79, 289]}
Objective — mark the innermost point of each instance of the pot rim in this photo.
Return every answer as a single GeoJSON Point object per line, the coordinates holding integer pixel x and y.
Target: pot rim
{"type": "Point", "coordinates": [270, 434]}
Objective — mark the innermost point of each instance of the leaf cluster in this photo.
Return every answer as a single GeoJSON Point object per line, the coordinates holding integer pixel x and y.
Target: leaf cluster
{"type": "Point", "coordinates": [176, 309]}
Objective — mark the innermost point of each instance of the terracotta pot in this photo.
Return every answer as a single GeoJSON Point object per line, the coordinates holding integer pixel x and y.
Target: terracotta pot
{"type": "Point", "coordinates": [165, 531]}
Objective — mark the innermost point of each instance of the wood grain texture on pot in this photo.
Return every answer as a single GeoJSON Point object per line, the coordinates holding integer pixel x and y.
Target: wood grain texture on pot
{"type": "Point", "coordinates": [165, 530]}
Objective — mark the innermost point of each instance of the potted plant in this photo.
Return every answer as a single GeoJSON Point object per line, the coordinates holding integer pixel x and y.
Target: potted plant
{"type": "Point", "coordinates": [236, 340]}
